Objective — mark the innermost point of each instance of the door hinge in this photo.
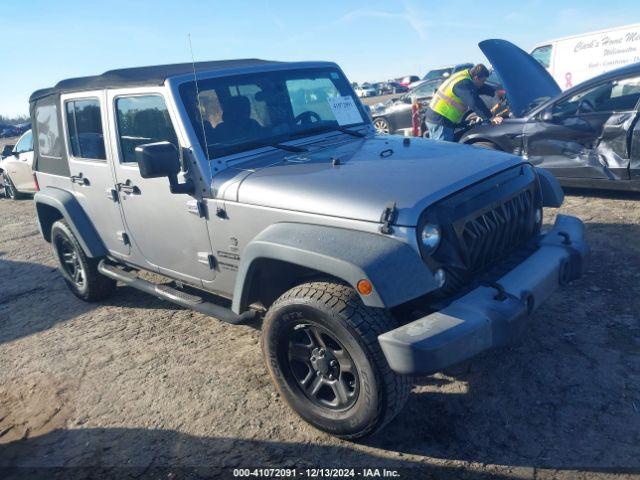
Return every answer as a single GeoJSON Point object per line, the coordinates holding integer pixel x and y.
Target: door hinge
{"type": "Point", "coordinates": [387, 218]}
{"type": "Point", "coordinates": [197, 207]}
{"type": "Point", "coordinates": [207, 258]}
{"type": "Point", "coordinates": [124, 237]}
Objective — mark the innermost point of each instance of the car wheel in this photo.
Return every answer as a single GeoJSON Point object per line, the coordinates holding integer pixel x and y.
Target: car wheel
{"type": "Point", "coordinates": [10, 190]}
{"type": "Point", "coordinates": [382, 125]}
{"type": "Point", "coordinates": [79, 272]}
{"type": "Point", "coordinates": [488, 145]}
{"type": "Point", "coordinates": [320, 345]}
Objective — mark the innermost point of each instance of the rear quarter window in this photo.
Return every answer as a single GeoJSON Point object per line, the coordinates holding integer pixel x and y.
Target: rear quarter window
{"type": "Point", "coordinates": [48, 131]}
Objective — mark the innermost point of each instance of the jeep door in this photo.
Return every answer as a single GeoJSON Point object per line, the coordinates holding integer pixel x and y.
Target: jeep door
{"type": "Point", "coordinates": [586, 133]}
{"type": "Point", "coordinates": [19, 164]}
{"type": "Point", "coordinates": [166, 231]}
{"type": "Point", "coordinates": [84, 119]}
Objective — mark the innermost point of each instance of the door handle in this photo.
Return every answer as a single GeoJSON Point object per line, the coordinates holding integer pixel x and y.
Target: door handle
{"type": "Point", "coordinates": [128, 188]}
{"type": "Point", "coordinates": [79, 179]}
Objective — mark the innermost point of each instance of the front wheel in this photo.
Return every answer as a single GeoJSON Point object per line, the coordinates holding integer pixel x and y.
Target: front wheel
{"type": "Point", "coordinates": [10, 190]}
{"type": "Point", "coordinates": [320, 345]}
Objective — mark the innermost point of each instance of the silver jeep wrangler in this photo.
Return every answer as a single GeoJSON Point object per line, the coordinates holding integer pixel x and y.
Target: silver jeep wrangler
{"type": "Point", "coordinates": [259, 191]}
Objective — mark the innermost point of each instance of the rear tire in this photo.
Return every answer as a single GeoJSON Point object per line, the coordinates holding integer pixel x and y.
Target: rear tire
{"type": "Point", "coordinates": [320, 345]}
{"type": "Point", "coordinates": [79, 272]}
{"type": "Point", "coordinates": [382, 125]}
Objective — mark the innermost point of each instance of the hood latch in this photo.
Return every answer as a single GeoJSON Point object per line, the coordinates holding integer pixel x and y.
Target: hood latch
{"type": "Point", "coordinates": [388, 217]}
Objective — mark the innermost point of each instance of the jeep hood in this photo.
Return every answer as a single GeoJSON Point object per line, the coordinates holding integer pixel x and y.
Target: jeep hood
{"type": "Point", "coordinates": [371, 173]}
{"type": "Point", "coordinates": [523, 78]}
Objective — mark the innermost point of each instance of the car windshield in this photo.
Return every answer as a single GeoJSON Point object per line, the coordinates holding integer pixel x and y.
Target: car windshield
{"type": "Point", "coordinates": [238, 113]}
{"type": "Point", "coordinates": [433, 74]}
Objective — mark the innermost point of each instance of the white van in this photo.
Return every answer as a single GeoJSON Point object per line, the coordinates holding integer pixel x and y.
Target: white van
{"type": "Point", "coordinates": [572, 60]}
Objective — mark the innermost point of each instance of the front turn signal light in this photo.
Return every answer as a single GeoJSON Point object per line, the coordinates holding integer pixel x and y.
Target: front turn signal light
{"type": "Point", "coordinates": [365, 287]}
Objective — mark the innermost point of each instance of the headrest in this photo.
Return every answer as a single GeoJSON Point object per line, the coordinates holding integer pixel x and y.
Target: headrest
{"type": "Point", "coordinates": [236, 108]}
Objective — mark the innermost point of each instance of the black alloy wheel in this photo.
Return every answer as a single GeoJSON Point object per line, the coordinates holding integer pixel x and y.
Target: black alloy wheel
{"type": "Point", "coordinates": [70, 261]}
{"type": "Point", "coordinates": [320, 366]}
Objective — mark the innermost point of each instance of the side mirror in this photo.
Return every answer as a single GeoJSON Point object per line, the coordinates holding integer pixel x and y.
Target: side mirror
{"type": "Point", "coordinates": [161, 159]}
{"type": "Point", "coordinates": [7, 150]}
{"type": "Point", "coordinates": [547, 115]}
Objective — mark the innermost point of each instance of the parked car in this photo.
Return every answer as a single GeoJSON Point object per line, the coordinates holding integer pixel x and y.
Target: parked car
{"type": "Point", "coordinates": [405, 81]}
{"type": "Point", "coordinates": [587, 136]}
{"type": "Point", "coordinates": [395, 115]}
{"type": "Point", "coordinates": [6, 130]}
{"type": "Point", "coordinates": [365, 90]}
{"type": "Point", "coordinates": [444, 72]}
{"type": "Point", "coordinates": [388, 88]}
{"type": "Point", "coordinates": [16, 174]}
{"type": "Point", "coordinates": [246, 190]}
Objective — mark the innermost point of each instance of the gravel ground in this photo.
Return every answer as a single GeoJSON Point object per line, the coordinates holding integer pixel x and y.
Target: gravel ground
{"type": "Point", "coordinates": [136, 382]}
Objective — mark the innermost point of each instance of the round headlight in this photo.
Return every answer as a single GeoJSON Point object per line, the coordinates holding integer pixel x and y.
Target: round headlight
{"type": "Point", "coordinates": [430, 238]}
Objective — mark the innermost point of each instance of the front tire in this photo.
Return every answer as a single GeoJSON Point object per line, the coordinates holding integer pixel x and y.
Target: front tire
{"type": "Point", "coordinates": [320, 345]}
{"type": "Point", "coordinates": [79, 272]}
{"type": "Point", "coordinates": [10, 190]}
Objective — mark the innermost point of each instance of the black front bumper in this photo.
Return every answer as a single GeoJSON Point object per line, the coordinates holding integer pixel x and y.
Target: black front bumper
{"type": "Point", "coordinates": [487, 316]}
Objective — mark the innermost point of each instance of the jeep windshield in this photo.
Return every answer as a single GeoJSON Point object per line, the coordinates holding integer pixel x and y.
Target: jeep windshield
{"type": "Point", "coordinates": [238, 113]}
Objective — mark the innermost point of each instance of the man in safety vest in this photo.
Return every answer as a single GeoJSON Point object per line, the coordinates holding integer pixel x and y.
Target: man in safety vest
{"type": "Point", "coordinates": [457, 94]}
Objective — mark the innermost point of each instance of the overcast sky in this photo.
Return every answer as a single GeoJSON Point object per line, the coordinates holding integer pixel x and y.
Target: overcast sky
{"type": "Point", "coordinates": [44, 41]}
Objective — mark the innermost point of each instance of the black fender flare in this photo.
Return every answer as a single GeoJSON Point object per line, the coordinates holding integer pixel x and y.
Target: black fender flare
{"type": "Point", "coordinates": [69, 208]}
{"type": "Point", "coordinates": [393, 267]}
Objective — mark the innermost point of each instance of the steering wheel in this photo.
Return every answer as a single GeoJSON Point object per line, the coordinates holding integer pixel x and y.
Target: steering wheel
{"type": "Point", "coordinates": [307, 117]}
{"type": "Point", "coordinates": [585, 105]}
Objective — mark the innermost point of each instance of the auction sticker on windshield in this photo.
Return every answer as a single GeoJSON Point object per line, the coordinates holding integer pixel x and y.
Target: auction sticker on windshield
{"type": "Point", "coordinates": [345, 110]}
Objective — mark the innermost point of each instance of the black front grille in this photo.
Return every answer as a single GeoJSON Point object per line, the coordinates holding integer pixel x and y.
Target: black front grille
{"type": "Point", "coordinates": [483, 224]}
{"type": "Point", "coordinates": [488, 237]}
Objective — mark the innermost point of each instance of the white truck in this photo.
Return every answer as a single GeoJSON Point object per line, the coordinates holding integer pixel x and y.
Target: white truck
{"type": "Point", "coordinates": [572, 60]}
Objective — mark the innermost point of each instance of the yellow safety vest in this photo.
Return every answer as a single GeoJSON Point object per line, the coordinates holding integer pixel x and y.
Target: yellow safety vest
{"type": "Point", "coordinates": [447, 103]}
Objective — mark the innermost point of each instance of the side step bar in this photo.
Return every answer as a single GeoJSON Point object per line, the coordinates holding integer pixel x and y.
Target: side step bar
{"type": "Point", "coordinates": [176, 296]}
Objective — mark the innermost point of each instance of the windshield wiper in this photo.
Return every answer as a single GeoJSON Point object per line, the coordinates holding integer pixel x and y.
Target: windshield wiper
{"type": "Point", "coordinates": [289, 148]}
{"type": "Point", "coordinates": [349, 132]}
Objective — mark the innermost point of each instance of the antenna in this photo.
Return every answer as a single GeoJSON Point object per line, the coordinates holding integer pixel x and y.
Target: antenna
{"type": "Point", "coordinates": [200, 109]}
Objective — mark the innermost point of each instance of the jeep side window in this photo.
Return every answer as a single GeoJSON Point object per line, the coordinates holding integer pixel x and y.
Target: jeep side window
{"type": "Point", "coordinates": [48, 134]}
{"type": "Point", "coordinates": [142, 119]}
{"type": "Point", "coordinates": [84, 123]}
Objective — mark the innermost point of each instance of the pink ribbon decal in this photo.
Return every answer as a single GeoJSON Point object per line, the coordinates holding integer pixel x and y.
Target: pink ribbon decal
{"type": "Point", "coordinates": [567, 77]}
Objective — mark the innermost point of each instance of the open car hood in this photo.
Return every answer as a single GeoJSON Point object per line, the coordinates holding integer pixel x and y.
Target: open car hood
{"type": "Point", "coordinates": [523, 78]}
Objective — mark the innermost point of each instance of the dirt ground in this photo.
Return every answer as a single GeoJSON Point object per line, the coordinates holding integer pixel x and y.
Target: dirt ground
{"type": "Point", "coordinates": [138, 383]}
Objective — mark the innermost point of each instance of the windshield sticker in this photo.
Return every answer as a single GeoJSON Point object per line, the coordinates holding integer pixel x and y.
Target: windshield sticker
{"type": "Point", "coordinates": [345, 110]}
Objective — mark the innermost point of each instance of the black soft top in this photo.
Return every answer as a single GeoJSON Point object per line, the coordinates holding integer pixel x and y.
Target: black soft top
{"type": "Point", "coordinates": [141, 76]}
